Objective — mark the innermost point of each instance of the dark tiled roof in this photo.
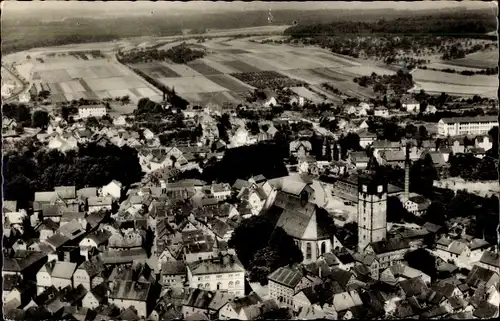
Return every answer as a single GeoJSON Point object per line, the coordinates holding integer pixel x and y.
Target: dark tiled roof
{"type": "Point", "coordinates": [414, 286]}
{"type": "Point", "coordinates": [286, 276]}
{"type": "Point", "coordinates": [486, 310]}
{"type": "Point", "coordinates": [173, 268]}
{"type": "Point", "coordinates": [389, 245]}
{"type": "Point", "coordinates": [130, 290]}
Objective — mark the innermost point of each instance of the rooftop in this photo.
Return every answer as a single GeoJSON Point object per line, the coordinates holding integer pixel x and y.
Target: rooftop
{"type": "Point", "coordinates": [286, 276]}
{"type": "Point", "coordinates": [224, 264]}
{"type": "Point", "coordinates": [129, 290]}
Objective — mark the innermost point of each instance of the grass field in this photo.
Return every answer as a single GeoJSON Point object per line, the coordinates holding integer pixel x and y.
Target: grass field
{"type": "Point", "coordinates": [479, 60]}
{"type": "Point", "coordinates": [455, 84]}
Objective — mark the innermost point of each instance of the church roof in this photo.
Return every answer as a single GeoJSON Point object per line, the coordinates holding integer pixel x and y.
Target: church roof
{"type": "Point", "coordinates": [300, 219]}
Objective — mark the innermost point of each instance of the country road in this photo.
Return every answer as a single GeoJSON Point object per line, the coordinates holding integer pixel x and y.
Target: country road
{"type": "Point", "coordinates": [23, 87]}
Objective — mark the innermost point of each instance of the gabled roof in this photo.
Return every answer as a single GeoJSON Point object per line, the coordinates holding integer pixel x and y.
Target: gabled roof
{"type": "Point", "coordinates": [389, 245]}
{"type": "Point", "coordinates": [490, 258]}
{"type": "Point", "coordinates": [129, 290]}
{"type": "Point", "coordinates": [486, 310]}
{"type": "Point", "coordinates": [414, 286]}
{"type": "Point", "coordinates": [225, 264]}
{"type": "Point", "coordinates": [198, 298]}
{"type": "Point", "coordinates": [63, 270]}
{"type": "Point", "coordinates": [93, 266]}
{"type": "Point", "coordinates": [173, 268]}
{"type": "Point", "coordinates": [479, 275]}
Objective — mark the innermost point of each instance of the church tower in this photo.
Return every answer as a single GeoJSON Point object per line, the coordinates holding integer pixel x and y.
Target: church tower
{"type": "Point", "coordinates": [372, 210]}
{"type": "Point", "coordinates": [407, 173]}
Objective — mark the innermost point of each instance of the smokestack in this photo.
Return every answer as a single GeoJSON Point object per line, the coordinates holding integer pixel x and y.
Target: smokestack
{"type": "Point", "coordinates": [407, 173]}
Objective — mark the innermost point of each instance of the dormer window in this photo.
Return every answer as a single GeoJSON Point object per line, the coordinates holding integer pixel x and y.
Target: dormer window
{"type": "Point", "coordinates": [379, 189]}
{"type": "Point", "coordinates": [365, 189]}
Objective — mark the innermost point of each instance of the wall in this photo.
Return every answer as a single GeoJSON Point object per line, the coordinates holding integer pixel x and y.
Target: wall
{"type": "Point", "coordinates": [234, 283]}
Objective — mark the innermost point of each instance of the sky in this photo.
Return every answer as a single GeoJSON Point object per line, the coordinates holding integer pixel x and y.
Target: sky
{"type": "Point", "coordinates": [208, 6]}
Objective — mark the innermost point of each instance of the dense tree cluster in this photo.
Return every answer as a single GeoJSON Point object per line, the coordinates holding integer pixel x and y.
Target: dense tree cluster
{"type": "Point", "coordinates": [487, 71]}
{"type": "Point", "coordinates": [268, 249]}
{"type": "Point", "coordinates": [20, 113]}
{"type": "Point", "coordinates": [471, 168]}
{"type": "Point", "coordinates": [179, 54]}
{"type": "Point", "coordinates": [28, 171]}
{"type": "Point", "coordinates": [400, 83]}
{"type": "Point", "coordinates": [400, 40]}
{"type": "Point", "coordinates": [247, 161]}
{"type": "Point", "coordinates": [422, 260]}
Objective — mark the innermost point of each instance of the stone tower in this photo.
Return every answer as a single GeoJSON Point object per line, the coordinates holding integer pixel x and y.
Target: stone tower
{"type": "Point", "coordinates": [372, 210]}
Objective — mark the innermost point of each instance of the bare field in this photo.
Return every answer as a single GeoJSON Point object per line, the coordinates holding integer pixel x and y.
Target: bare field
{"type": "Point", "coordinates": [456, 90]}
{"type": "Point", "coordinates": [455, 79]}
{"type": "Point", "coordinates": [68, 77]}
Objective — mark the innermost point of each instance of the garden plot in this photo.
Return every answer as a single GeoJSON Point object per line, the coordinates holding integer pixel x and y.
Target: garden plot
{"type": "Point", "coordinates": [156, 69]}
{"type": "Point", "coordinates": [58, 75]}
{"type": "Point", "coordinates": [230, 83]}
{"type": "Point", "coordinates": [191, 84]}
{"type": "Point", "coordinates": [290, 61]}
{"type": "Point", "coordinates": [260, 63]}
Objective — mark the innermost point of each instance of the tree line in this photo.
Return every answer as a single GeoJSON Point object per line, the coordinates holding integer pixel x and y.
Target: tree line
{"type": "Point", "coordinates": [487, 71]}
{"type": "Point", "coordinates": [29, 170]}
{"type": "Point", "coordinates": [179, 54]}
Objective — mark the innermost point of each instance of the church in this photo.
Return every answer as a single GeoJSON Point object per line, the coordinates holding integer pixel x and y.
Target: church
{"type": "Point", "coordinates": [307, 224]}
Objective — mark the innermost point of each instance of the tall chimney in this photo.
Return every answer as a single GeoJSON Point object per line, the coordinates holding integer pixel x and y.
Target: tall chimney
{"type": "Point", "coordinates": [407, 173]}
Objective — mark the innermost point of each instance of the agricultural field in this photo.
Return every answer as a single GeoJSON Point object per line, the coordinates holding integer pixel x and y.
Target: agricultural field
{"type": "Point", "coordinates": [479, 60]}
{"type": "Point", "coordinates": [455, 84]}
{"type": "Point", "coordinates": [85, 75]}
{"type": "Point", "coordinates": [232, 67]}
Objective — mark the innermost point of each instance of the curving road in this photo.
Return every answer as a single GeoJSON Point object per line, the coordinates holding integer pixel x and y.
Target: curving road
{"type": "Point", "coordinates": [23, 86]}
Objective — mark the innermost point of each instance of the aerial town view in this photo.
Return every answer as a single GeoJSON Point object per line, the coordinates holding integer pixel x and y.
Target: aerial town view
{"type": "Point", "coordinates": [250, 160]}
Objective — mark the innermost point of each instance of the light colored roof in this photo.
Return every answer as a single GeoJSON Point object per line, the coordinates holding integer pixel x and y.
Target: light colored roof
{"type": "Point", "coordinates": [45, 196]}
{"type": "Point", "coordinates": [63, 270]}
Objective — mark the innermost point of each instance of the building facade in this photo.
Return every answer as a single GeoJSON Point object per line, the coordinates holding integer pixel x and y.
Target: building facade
{"type": "Point", "coordinates": [91, 111]}
{"type": "Point", "coordinates": [466, 125]}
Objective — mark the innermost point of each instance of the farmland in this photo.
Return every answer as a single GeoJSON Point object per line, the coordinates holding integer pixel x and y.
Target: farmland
{"type": "Point", "coordinates": [455, 84]}
{"type": "Point", "coordinates": [231, 67]}
{"type": "Point", "coordinates": [81, 75]}
{"type": "Point", "coordinates": [480, 60]}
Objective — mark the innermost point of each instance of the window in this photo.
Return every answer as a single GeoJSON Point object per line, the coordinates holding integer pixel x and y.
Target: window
{"type": "Point", "coordinates": [237, 274]}
{"type": "Point", "coordinates": [207, 285]}
{"type": "Point", "coordinates": [237, 283]}
{"type": "Point", "coordinates": [207, 277]}
{"type": "Point", "coordinates": [200, 278]}
{"type": "Point", "coordinates": [230, 275]}
{"type": "Point", "coordinates": [231, 284]}
{"type": "Point", "coordinates": [219, 276]}
{"type": "Point", "coordinates": [219, 285]}
{"type": "Point", "coordinates": [308, 251]}
{"type": "Point", "coordinates": [365, 189]}
{"type": "Point", "coordinates": [323, 248]}
{"type": "Point", "coordinates": [379, 189]}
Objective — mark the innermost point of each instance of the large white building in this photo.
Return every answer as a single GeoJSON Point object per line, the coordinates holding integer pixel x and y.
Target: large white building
{"type": "Point", "coordinates": [224, 273]}
{"type": "Point", "coordinates": [92, 111]}
{"type": "Point", "coordinates": [466, 125]}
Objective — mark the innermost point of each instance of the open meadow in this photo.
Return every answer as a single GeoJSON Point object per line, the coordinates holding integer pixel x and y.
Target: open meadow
{"type": "Point", "coordinates": [455, 84]}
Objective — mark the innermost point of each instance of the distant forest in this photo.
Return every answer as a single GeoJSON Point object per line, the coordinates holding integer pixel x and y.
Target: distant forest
{"type": "Point", "coordinates": [21, 33]}
{"type": "Point", "coordinates": [460, 24]}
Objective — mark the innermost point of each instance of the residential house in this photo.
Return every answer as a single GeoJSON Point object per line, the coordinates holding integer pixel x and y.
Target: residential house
{"type": "Point", "coordinates": [89, 273]}
{"type": "Point", "coordinates": [221, 191]}
{"type": "Point", "coordinates": [125, 294]}
{"type": "Point", "coordinates": [431, 109]}
{"type": "Point", "coordinates": [245, 308]}
{"type": "Point", "coordinates": [120, 121]}
{"type": "Point", "coordinates": [455, 250]}
{"type": "Point", "coordinates": [195, 302]}
{"type": "Point", "coordinates": [398, 272]}
{"type": "Point", "coordinates": [413, 287]}
{"type": "Point", "coordinates": [61, 143]}
{"type": "Point", "coordinates": [98, 203]}
{"type": "Point", "coordinates": [386, 145]}
{"type": "Point", "coordinates": [46, 229]}
{"type": "Point", "coordinates": [285, 282]}
{"type": "Point", "coordinates": [358, 159]}
{"type": "Point", "coordinates": [381, 111]}
{"type": "Point", "coordinates": [389, 252]}
{"type": "Point", "coordinates": [96, 296]}
{"type": "Point", "coordinates": [392, 158]}
{"type": "Point", "coordinates": [411, 105]}
{"type": "Point", "coordinates": [55, 273]}
{"type": "Point", "coordinates": [366, 138]}
{"type": "Point", "coordinates": [300, 149]}
{"type": "Point", "coordinates": [240, 137]}
{"type": "Point", "coordinates": [369, 260]}
{"type": "Point", "coordinates": [490, 260]}
{"type": "Point", "coordinates": [484, 141]}
{"type": "Point", "coordinates": [480, 276]}
{"type": "Point", "coordinates": [173, 274]}
{"type": "Point", "coordinates": [113, 189]}
{"type": "Point", "coordinates": [417, 205]}
{"type": "Point", "coordinates": [224, 272]}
